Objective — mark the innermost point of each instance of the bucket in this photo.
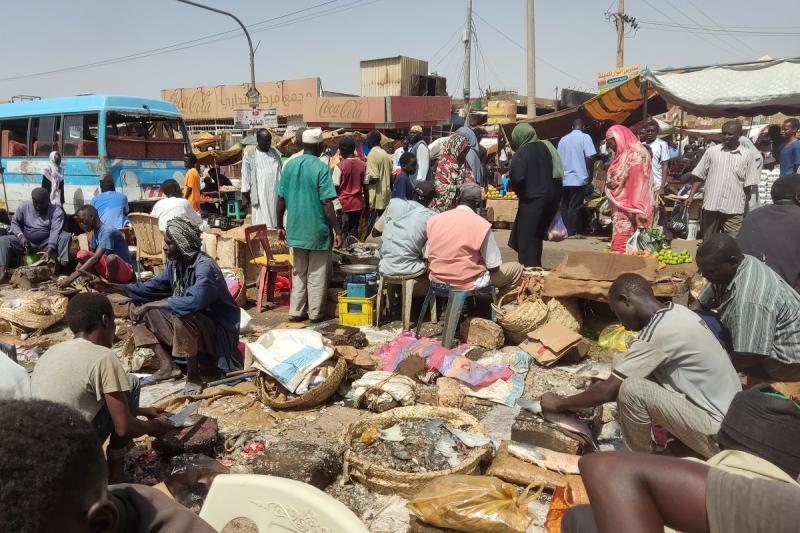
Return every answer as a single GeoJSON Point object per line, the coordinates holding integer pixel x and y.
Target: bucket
{"type": "Point", "coordinates": [694, 227]}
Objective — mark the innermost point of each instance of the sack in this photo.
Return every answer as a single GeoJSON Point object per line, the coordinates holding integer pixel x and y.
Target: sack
{"type": "Point", "coordinates": [474, 504]}
{"type": "Point", "coordinates": [289, 354]}
{"type": "Point", "coordinates": [615, 337]}
{"type": "Point", "coordinates": [557, 231]}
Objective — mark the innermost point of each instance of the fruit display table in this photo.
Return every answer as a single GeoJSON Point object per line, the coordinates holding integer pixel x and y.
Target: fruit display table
{"type": "Point", "coordinates": [501, 210]}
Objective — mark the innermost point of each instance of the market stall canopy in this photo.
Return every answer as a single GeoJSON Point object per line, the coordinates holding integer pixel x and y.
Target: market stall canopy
{"type": "Point", "coordinates": [220, 158]}
{"type": "Point", "coordinates": [741, 89]}
{"type": "Point", "coordinates": [615, 106]}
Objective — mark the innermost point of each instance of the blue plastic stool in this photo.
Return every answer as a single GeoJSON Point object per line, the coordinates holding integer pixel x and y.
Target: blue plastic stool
{"type": "Point", "coordinates": [233, 208]}
{"type": "Point", "coordinates": [455, 304]}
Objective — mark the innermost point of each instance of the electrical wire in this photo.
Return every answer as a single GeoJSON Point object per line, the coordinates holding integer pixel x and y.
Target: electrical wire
{"type": "Point", "coordinates": [544, 61]}
{"type": "Point", "coordinates": [454, 34]}
{"type": "Point", "coordinates": [203, 41]}
{"type": "Point", "coordinates": [714, 22]}
{"type": "Point", "coordinates": [720, 30]}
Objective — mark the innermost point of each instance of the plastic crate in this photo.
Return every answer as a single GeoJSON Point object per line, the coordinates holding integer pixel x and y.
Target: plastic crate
{"type": "Point", "coordinates": [356, 311]}
{"type": "Point", "coordinates": [362, 290]}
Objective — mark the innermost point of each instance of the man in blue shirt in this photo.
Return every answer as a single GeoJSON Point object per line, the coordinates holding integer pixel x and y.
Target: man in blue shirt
{"type": "Point", "coordinates": [112, 205]}
{"type": "Point", "coordinates": [186, 311]}
{"type": "Point", "coordinates": [576, 150]}
{"type": "Point", "coordinates": [108, 255]}
{"type": "Point", "coordinates": [790, 151]}
{"type": "Point", "coordinates": [402, 187]}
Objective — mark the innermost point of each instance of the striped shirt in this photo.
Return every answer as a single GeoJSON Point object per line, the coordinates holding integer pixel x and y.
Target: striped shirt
{"type": "Point", "coordinates": [726, 174]}
{"type": "Point", "coordinates": [760, 310]}
{"type": "Point", "coordinates": [678, 351]}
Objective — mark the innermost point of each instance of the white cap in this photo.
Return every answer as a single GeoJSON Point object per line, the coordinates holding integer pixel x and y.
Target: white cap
{"type": "Point", "coordinates": [312, 136]}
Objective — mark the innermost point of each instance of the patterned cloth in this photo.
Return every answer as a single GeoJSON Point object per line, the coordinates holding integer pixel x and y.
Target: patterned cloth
{"type": "Point", "coordinates": [760, 310]}
{"type": "Point", "coordinates": [450, 173]}
{"type": "Point", "coordinates": [186, 237]}
{"type": "Point", "coordinates": [726, 174]}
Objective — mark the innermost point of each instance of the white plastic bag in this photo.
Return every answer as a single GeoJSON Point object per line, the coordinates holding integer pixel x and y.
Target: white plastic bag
{"type": "Point", "coordinates": [289, 354]}
{"type": "Point", "coordinates": [633, 243]}
{"type": "Point", "coordinates": [244, 321]}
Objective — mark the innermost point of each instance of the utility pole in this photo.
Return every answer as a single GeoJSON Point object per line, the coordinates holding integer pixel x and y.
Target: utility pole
{"type": "Point", "coordinates": [253, 96]}
{"type": "Point", "coordinates": [467, 65]}
{"type": "Point", "coordinates": [531, 61]}
{"type": "Point", "coordinates": [620, 33]}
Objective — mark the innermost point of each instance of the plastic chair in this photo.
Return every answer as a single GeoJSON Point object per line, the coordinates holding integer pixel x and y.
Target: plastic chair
{"type": "Point", "coordinates": [407, 284]}
{"type": "Point", "coordinates": [270, 265]}
{"type": "Point", "coordinates": [276, 504]}
{"type": "Point", "coordinates": [455, 304]}
{"type": "Point", "coordinates": [149, 238]}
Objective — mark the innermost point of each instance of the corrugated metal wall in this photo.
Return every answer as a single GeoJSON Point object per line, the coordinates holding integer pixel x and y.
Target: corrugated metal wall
{"type": "Point", "coordinates": [391, 76]}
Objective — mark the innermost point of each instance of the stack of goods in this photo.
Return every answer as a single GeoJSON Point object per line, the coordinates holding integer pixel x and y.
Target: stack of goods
{"type": "Point", "coordinates": [493, 193]}
{"type": "Point", "coordinates": [768, 178]}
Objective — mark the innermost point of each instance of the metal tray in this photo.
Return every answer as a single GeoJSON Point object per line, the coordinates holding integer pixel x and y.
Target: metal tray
{"type": "Point", "coordinates": [359, 268]}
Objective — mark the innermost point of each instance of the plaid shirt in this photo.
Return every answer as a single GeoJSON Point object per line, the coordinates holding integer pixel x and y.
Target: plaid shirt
{"type": "Point", "coordinates": [760, 310]}
{"type": "Point", "coordinates": [726, 174]}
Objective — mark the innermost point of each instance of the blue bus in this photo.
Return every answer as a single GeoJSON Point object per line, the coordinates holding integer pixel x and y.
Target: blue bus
{"type": "Point", "coordinates": [139, 142]}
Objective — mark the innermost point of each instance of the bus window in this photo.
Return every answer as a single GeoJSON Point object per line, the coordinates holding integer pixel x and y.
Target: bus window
{"type": "Point", "coordinates": [44, 135]}
{"type": "Point", "coordinates": [14, 137]}
{"type": "Point", "coordinates": [80, 135]}
{"type": "Point", "coordinates": [130, 136]}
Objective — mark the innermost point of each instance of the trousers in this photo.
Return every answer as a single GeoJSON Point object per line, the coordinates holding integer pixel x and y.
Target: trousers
{"type": "Point", "coordinates": [572, 200]}
{"type": "Point", "coordinates": [643, 403]}
{"type": "Point", "coordinates": [716, 222]}
{"type": "Point", "coordinates": [11, 249]}
{"type": "Point", "coordinates": [185, 336]}
{"type": "Point", "coordinates": [309, 283]}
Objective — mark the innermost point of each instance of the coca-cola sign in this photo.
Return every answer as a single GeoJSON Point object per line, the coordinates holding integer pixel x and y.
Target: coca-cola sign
{"type": "Point", "coordinates": [354, 110]}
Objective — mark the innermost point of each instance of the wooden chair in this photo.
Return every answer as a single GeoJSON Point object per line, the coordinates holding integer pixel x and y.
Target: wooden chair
{"type": "Point", "coordinates": [269, 265]}
{"type": "Point", "coordinates": [149, 239]}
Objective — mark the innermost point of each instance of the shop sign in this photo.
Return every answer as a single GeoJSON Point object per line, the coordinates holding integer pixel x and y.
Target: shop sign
{"type": "Point", "coordinates": [611, 78]}
{"type": "Point", "coordinates": [345, 110]}
{"type": "Point", "coordinates": [247, 119]}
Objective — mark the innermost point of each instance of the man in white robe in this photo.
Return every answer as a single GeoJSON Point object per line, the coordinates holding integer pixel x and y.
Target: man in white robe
{"type": "Point", "coordinates": [261, 171]}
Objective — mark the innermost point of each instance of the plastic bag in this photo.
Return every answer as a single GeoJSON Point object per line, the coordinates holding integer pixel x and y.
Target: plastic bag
{"type": "Point", "coordinates": [289, 354]}
{"type": "Point", "coordinates": [678, 223]}
{"type": "Point", "coordinates": [474, 504]}
{"type": "Point", "coordinates": [557, 231]}
{"type": "Point", "coordinates": [191, 477]}
{"type": "Point", "coordinates": [644, 240]}
{"type": "Point", "coordinates": [615, 337]}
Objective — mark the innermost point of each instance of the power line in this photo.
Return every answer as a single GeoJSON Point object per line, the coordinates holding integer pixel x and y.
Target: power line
{"type": "Point", "coordinates": [699, 36]}
{"type": "Point", "coordinates": [714, 22]}
{"type": "Point", "coordinates": [719, 30]}
{"type": "Point", "coordinates": [454, 34]}
{"type": "Point", "coordinates": [201, 41]}
{"type": "Point", "coordinates": [544, 61]}
{"type": "Point", "coordinates": [731, 42]}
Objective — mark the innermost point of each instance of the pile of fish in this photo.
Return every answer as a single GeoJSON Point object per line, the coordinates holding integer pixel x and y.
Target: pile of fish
{"type": "Point", "coordinates": [417, 446]}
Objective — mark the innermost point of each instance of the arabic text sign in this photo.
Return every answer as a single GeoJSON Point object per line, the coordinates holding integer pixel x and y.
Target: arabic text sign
{"type": "Point", "coordinates": [247, 119]}
{"type": "Point", "coordinates": [220, 101]}
{"type": "Point", "coordinates": [611, 78]}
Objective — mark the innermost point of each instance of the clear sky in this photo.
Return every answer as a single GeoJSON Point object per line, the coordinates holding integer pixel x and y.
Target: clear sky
{"type": "Point", "coordinates": [574, 41]}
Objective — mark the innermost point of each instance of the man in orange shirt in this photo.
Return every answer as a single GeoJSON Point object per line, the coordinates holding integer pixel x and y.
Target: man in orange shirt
{"type": "Point", "coordinates": [191, 182]}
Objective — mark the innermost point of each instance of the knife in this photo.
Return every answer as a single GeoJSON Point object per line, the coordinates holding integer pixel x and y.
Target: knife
{"type": "Point", "coordinates": [179, 419]}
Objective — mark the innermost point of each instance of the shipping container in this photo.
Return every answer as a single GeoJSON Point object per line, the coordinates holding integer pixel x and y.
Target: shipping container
{"type": "Point", "coordinates": [391, 76]}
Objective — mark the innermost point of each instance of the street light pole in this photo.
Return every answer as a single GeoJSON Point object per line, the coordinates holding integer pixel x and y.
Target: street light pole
{"type": "Point", "coordinates": [253, 96]}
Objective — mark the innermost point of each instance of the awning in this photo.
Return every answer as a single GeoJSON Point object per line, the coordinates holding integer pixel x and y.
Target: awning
{"type": "Point", "coordinates": [743, 89]}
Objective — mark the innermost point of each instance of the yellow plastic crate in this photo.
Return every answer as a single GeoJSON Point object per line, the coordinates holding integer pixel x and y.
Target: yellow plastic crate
{"type": "Point", "coordinates": [356, 311]}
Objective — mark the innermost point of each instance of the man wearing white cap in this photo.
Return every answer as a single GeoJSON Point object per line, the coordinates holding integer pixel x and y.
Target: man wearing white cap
{"type": "Point", "coordinates": [305, 194]}
{"type": "Point", "coordinates": [420, 149]}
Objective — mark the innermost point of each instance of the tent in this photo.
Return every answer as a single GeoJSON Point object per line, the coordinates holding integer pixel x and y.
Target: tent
{"type": "Point", "coordinates": [740, 89]}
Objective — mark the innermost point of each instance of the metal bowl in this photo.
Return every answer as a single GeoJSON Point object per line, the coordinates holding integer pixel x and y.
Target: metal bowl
{"type": "Point", "coordinates": [359, 268]}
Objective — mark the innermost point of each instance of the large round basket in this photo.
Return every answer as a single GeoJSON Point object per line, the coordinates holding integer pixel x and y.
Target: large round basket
{"type": "Point", "coordinates": [37, 312]}
{"type": "Point", "coordinates": [315, 396]}
{"type": "Point", "coordinates": [565, 311]}
{"type": "Point", "coordinates": [406, 484]}
{"type": "Point", "coordinates": [519, 319]}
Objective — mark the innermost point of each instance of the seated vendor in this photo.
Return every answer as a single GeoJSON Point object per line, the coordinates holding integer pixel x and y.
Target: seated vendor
{"type": "Point", "coordinates": [55, 479]}
{"type": "Point", "coordinates": [172, 205]}
{"type": "Point", "coordinates": [186, 310]}
{"type": "Point", "coordinates": [108, 255]}
{"type": "Point", "coordinates": [85, 374]}
{"type": "Point", "coordinates": [37, 226]}
{"type": "Point", "coordinates": [404, 232]}
{"type": "Point", "coordinates": [757, 307]}
{"type": "Point", "coordinates": [675, 373]}
{"type": "Point", "coordinates": [462, 251]}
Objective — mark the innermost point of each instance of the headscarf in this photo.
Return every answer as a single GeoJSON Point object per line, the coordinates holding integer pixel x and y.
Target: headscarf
{"type": "Point", "coordinates": [628, 185]}
{"type": "Point", "coordinates": [474, 156]}
{"type": "Point", "coordinates": [450, 173]}
{"type": "Point", "coordinates": [523, 133]}
{"type": "Point", "coordinates": [55, 175]}
{"type": "Point", "coordinates": [186, 237]}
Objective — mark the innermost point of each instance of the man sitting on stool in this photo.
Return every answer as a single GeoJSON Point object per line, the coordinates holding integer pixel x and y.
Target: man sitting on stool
{"type": "Point", "coordinates": [462, 251]}
{"type": "Point", "coordinates": [37, 226]}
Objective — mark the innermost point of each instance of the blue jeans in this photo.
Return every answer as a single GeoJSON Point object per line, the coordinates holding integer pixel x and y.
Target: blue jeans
{"type": "Point", "coordinates": [720, 332]}
{"type": "Point", "coordinates": [104, 424]}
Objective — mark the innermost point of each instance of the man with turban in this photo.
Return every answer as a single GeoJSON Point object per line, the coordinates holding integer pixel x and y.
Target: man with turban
{"type": "Point", "coordinates": [185, 311]}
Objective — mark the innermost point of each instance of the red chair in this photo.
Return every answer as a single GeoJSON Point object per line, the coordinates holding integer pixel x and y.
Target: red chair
{"type": "Point", "coordinates": [270, 265]}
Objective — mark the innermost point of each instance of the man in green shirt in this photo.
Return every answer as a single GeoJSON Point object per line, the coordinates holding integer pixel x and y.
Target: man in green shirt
{"type": "Point", "coordinates": [305, 194]}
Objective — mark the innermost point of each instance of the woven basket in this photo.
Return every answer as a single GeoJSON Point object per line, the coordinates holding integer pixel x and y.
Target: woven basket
{"type": "Point", "coordinates": [315, 396]}
{"type": "Point", "coordinates": [519, 319]}
{"type": "Point", "coordinates": [238, 275]}
{"type": "Point", "coordinates": [407, 484]}
{"type": "Point", "coordinates": [36, 312]}
{"type": "Point", "coordinates": [565, 311]}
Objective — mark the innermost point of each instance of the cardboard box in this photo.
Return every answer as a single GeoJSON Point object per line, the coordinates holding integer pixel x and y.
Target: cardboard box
{"type": "Point", "coordinates": [554, 342]}
{"type": "Point", "coordinates": [501, 210]}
